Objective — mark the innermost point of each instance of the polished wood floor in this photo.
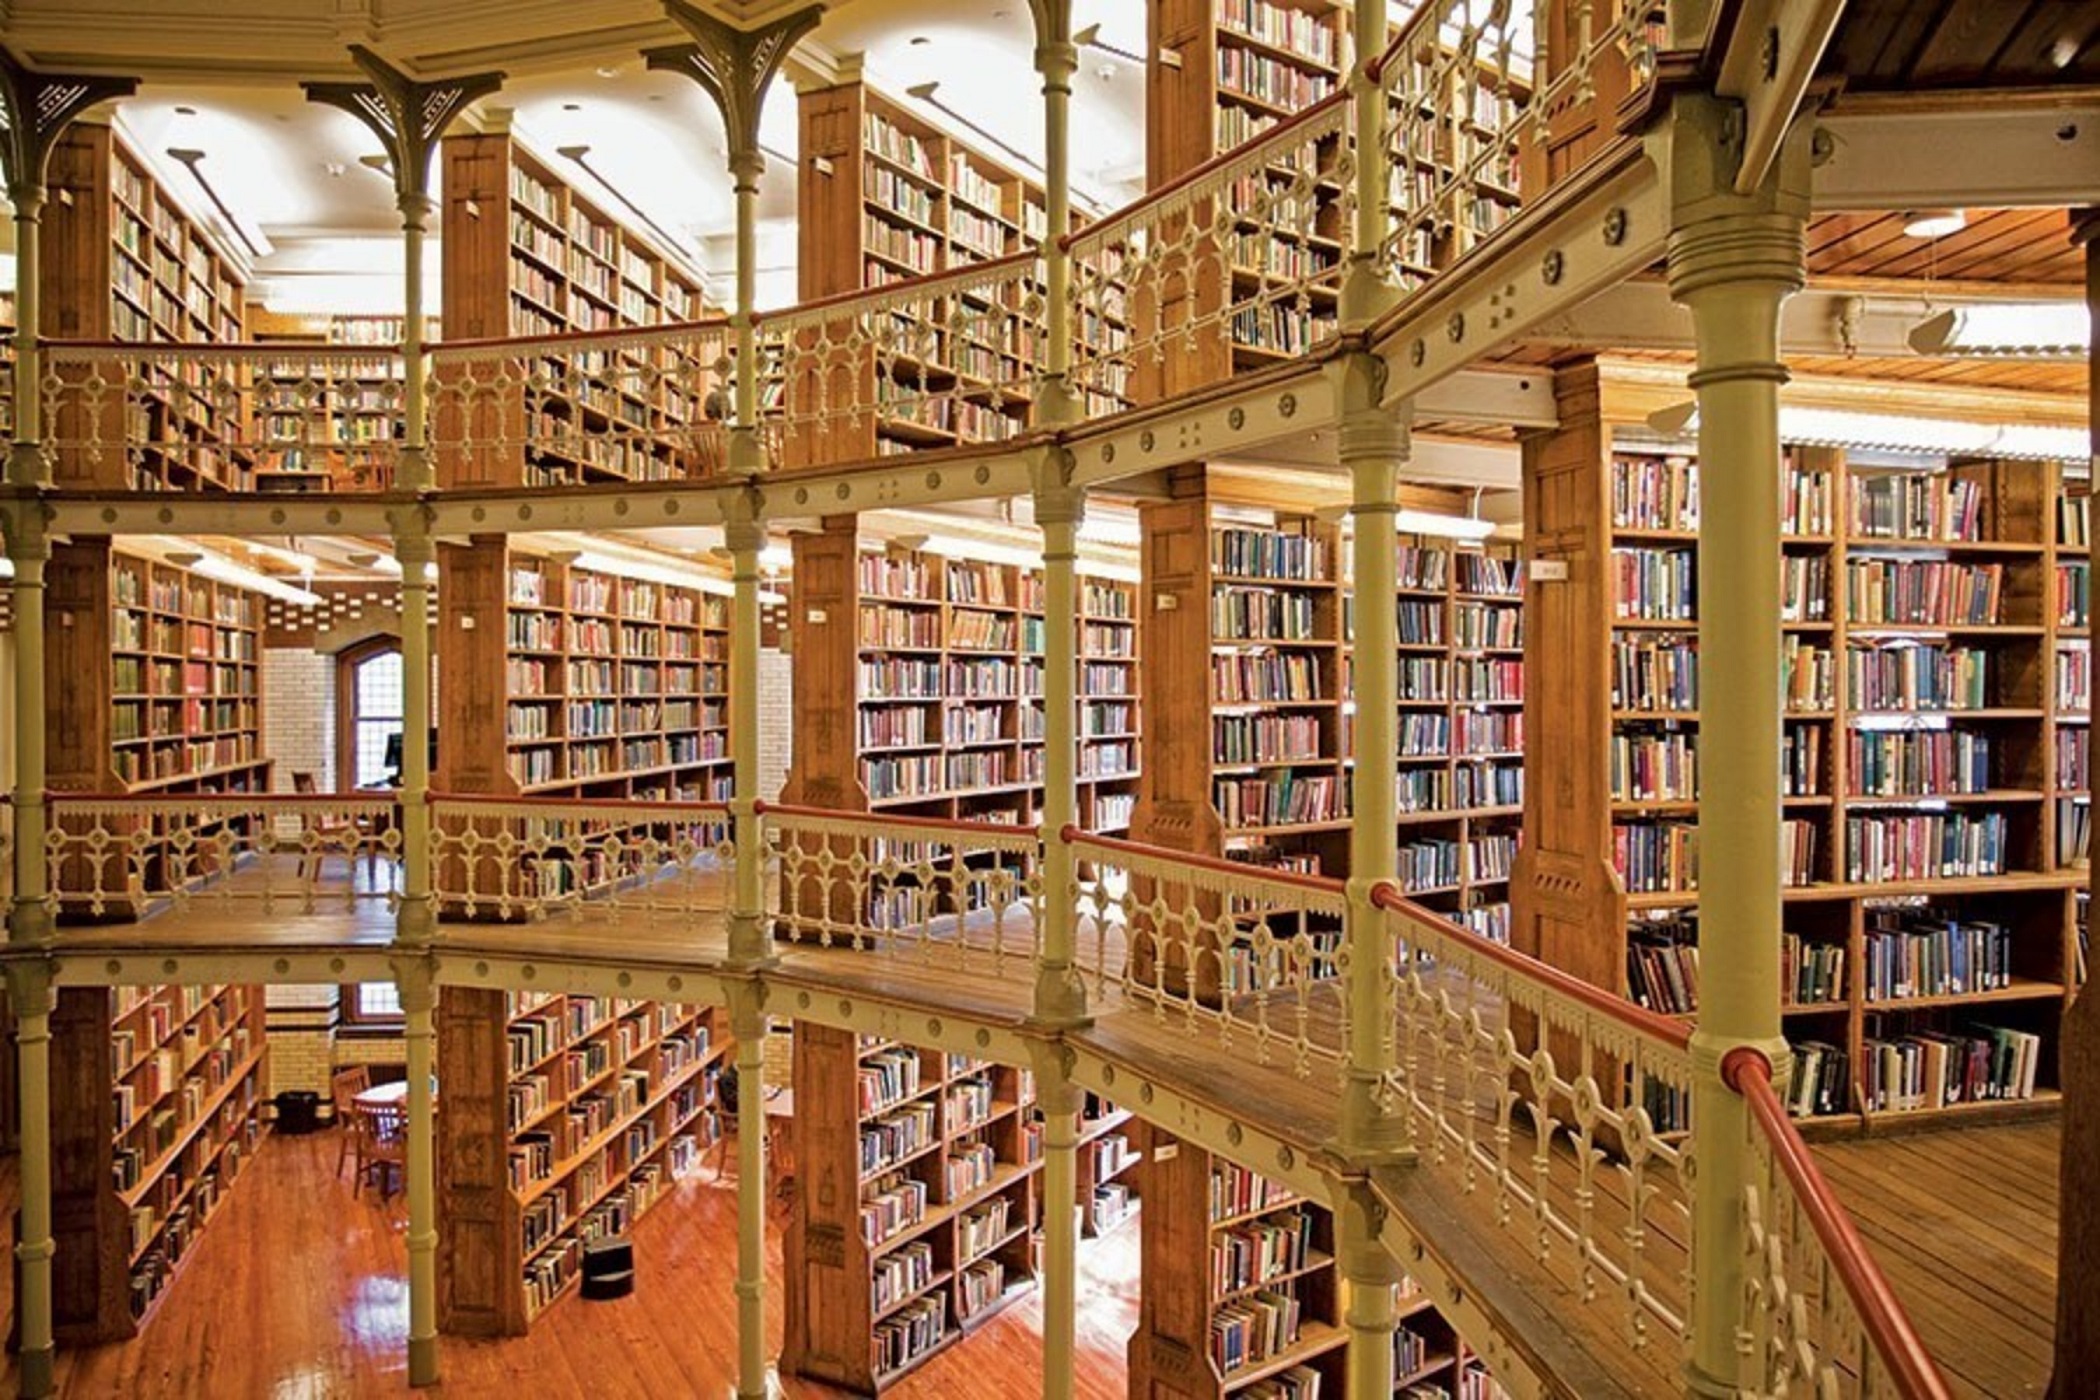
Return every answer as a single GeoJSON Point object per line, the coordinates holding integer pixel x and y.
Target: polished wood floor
{"type": "Point", "coordinates": [1964, 1224]}
{"type": "Point", "coordinates": [299, 1292]}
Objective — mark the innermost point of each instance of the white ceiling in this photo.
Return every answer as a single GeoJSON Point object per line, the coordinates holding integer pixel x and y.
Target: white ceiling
{"type": "Point", "coordinates": [290, 170]}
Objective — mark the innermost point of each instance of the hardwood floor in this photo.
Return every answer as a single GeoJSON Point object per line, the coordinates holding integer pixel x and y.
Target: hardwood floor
{"type": "Point", "coordinates": [299, 1292]}
{"type": "Point", "coordinates": [1964, 1224]}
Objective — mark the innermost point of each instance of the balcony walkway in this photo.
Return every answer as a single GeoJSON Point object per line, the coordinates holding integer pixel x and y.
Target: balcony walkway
{"type": "Point", "coordinates": [1981, 1286]}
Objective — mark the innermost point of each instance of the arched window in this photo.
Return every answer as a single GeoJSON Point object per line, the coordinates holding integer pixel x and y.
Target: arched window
{"type": "Point", "coordinates": [371, 706]}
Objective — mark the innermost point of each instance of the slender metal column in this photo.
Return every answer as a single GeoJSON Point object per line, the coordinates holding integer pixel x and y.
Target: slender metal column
{"type": "Point", "coordinates": [1060, 999]}
{"type": "Point", "coordinates": [748, 944]}
{"type": "Point", "coordinates": [29, 549]}
{"type": "Point", "coordinates": [1733, 260]}
{"type": "Point", "coordinates": [29, 984]}
{"type": "Point", "coordinates": [747, 1014]}
{"type": "Point", "coordinates": [1367, 291]}
{"type": "Point", "coordinates": [25, 462]}
{"type": "Point", "coordinates": [1369, 1272]}
{"type": "Point", "coordinates": [1059, 1098]}
{"type": "Point", "coordinates": [416, 920]}
{"type": "Point", "coordinates": [417, 981]}
{"type": "Point", "coordinates": [1056, 59]}
{"type": "Point", "coordinates": [414, 472]}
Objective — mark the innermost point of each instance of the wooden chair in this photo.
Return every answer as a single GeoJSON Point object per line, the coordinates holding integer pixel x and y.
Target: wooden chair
{"type": "Point", "coordinates": [337, 835]}
{"type": "Point", "coordinates": [343, 1087]}
{"type": "Point", "coordinates": [382, 1148]}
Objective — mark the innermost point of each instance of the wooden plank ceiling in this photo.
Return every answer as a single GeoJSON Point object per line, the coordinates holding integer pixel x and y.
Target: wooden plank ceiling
{"type": "Point", "coordinates": [1917, 45]}
{"type": "Point", "coordinates": [1999, 245]}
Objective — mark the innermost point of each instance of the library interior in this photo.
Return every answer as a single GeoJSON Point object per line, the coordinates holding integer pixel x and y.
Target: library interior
{"type": "Point", "coordinates": [1174, 699]}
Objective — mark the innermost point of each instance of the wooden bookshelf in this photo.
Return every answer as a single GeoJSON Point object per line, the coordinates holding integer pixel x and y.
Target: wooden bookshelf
{"type": "Point", "coordinates": [528, 254]}
{"type": "Point", "coordinates": [611, 687]}
{"type": "Point", "coordinates": [937, 1235]}
{"type": "Point", "coordinates": [919, 678]}
{"type": "Point", "coordinates": [1933, 784]}
{"type": "Point", "coordinates": [1225, 1251]}
{"type": "Point", "coordinates": [123, 259]}
{"type": "Point", "coordinates": [1111, 1163]}
{"type": "Point", "coordinates": [154, 676]}
{"type": "Point", "coordinates": [566, 1119]}
{"type": "Point", "coordinates": [359, 406]}
{"type": "Point", "coordinates": [156, 1099]}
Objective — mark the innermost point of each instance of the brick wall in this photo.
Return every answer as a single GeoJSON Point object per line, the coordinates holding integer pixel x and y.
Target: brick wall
{"type": "Point", "coordinates": [776, 714]}
{"type": "Point", "coordinates": [301, 1022]}
{"type": "Point", "coordinates": [299, 715]}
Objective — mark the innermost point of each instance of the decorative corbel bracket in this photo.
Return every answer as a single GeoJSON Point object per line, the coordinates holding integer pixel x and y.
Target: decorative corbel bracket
{"type": "Point", "coordinates": [35, 110]}
{"type": "Point", "coordinates": [408, 116]}
{"type": "Point", "coordinates": [735, 67]}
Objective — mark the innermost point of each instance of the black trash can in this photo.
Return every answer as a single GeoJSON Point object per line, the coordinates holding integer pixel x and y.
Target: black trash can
{"type": "Point", "coordinates": [298, 1111]}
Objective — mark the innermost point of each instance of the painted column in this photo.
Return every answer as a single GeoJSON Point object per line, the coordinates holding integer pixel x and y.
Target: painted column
{"type": "Point", "coordinates": [1056, 59]}
{"type": "Point", "coordinates": [29, 550]}
{"type": "Point", "coordinates": [1060, 999]}
{"type": "Point", "coordinates": [1374, 441]}
{"type": "Point", "coordinates": [25, 463]}
{"type": "Point", "coordinates": [416, 920]}
{"type": "Point", "coordinates": [1366, 291]}
{"type": "Point", "coordinates": [1733, 260]}
{"type": "Point", "coordinates": [414, 472]}
{"type": "Point", "coordinates": [417, 982]}
{"type": "Point", "coordinates": [29, 984]}
{"type": "Point", "coordinates": [748, 1022]}
{"type": "Point", "coordinates": [1059, 1098]}
{"type": "Point", "coordinates": [748, 945]}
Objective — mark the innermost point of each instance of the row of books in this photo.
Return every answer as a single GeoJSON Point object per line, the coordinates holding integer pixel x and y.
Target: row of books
{"type": "Point", "coordinates": [1917, 763]}
{"type": "Point", "coordinates": [1916, 506]}
{"type": "Point", "coordinates": [1934, 1069]}
{"type": "Point", "coordinates": [1930, 953]}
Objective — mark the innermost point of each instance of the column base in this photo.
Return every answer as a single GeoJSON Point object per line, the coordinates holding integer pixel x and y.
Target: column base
{"type": "Point", "coordinates": [771, 1389]}
{"type": "Point", "coordinates": [422, 1361]}
{"type": "Point", "coordinates": [1704, 1387]}
{"type": "Point", "coordinates": [1060, 1000]}
{"type": "Point", "coordinates": [38, 1370]}
{"type": "Point", "coordinates": [415, 921]}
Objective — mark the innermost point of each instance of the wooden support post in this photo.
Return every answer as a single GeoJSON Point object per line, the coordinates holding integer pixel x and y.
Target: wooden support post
{"type": "Point", "coordinates": [747, 1013]}
{"type": "Point", "coordinates": [29, 985]}
{"type": "Point", "coordinates": [1733, 261]}
{"type": "Point", "coordinates": [1059, 1098]}
{"type": "Point", "coordinates": [417, 982]}
{"type": "Point", "coordinates": [2078, 1220]}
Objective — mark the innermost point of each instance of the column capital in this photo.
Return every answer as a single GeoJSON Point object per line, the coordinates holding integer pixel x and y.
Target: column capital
{"type": "Point", "coordinates": [35, 110]}
{"type": "Point", "coordinates": [734, 67]}
{"type": "Point", "coordinates": [408, 116]}
{"type": "Point", "coordinates": [1054, 496]}
{"type": "Point", "coordinates": [747, 1009]}
{"type": "Point", "coordinates": [27, 525]}
{"type": "Point", "coordinates": [31, 990]}
{"type": "Point", "coordinates": [415, 978]}
{"type": "Point", "coordinates": [1719, 237]}
{"type": "Point", "coordinates": [743, 521]}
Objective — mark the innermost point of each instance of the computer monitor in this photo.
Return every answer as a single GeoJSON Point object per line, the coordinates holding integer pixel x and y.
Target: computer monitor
{"type": "Point", "coordinates": [393, 755]}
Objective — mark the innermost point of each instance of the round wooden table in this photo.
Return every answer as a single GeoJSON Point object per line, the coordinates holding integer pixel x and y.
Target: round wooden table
{"type": "Point", "coordinates": [387, 1095]}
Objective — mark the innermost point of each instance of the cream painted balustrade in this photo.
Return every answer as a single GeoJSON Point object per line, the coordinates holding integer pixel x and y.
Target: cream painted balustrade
{"type": "Point", "coordinates": [579, 409]}
{"type": "Point", "coordinates": [616, 863]}
{"type": "Point", "coordinates": [1237, 264]}
{"type": "Point", "coordinates": [112, 856]}
{"type": "Point", "coordinates": [961, 895]}
{"type": "Point", "coordinates": [201, 418]}
{"type": "Point", "coordinates": [932, 362]}
{"type": "Point", "coordinates": [1248, 957]}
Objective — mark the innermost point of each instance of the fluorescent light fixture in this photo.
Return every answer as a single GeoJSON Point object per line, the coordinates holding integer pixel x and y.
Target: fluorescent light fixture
{"type": "Point", "coordinates": [1933, 438]}
{"type": "Point", "coordinates": [1457, 527]}
{"type": "Point", "coordinates": [2036, 330]}
{"type": "Point", "coordinates": [226, 571]}
{"type": "Point", "coordinates": [1102, 568]}
{"type": "Point", "coordinates": [599, 563]}
{"type": "Point", "coordinates": [776, 558]}
{"type": "Point", "coordinates": [1119, 529]}
{"type": "Point", "coordinates": [1090, 38]}
{"type": "Point", "coordinates": [7, 567]}
{"type": "Point", "coordinates": [1934, 223]}
{"type": "Point", "coordinates": [957, 548]}
{"type": "Point", "coordinates": [388, 564]}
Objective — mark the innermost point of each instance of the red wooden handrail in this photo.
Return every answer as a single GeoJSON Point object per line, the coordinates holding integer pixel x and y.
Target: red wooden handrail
{"type": "Point", "coordinates": [779, 809]}
{"type": "Point", "coordinates": [1316, 884]}
{"type": "Point", "coordinates": [582, 338]}
{"type": "Point", "coordinates": [1654, 1024]}
{"type": "Point", "coordinates": [1881, 1313]}
{"type": "Point", "coordinates": [487, 799]}
{"type": "Point", "coordinates": [1304, 117]}
{"type": "Point", "coordinates": [223, 349]}
{"type": "Point", "coordinates": [925, 285]}
{"type": "Point", "coordinates": [55, 797]}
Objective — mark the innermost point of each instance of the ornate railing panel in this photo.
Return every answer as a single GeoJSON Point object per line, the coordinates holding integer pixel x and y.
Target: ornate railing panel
{"type": "Point", "coordinates": [574, 410]}
{"type": "Point", "coordinates": [933, 362]}
{"type": "Point", "coordinates": [530, 859]}
{"type": "Point", "coordinates": [1247, 956]}
{"type": "Point", "coordinates": [1818, 1316]}
{"type": "Point", "coordinates": [120, 856]}
{"type": "Point", "coordinates": [963, 895]}
{"type": "Point", "coordinates": [1238, 263]}
{"type": "Point", "coordinates": [1564, 1108]}
{"type": "Point", "coordinates": [199, 418]}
